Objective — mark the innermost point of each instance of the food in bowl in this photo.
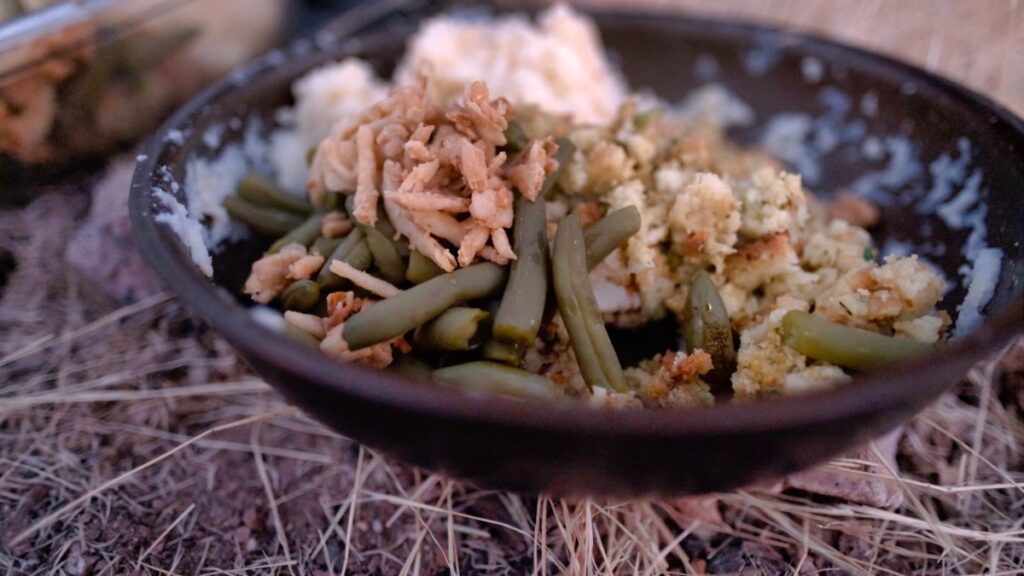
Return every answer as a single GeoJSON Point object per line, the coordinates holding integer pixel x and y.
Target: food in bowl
{"type": "Point", "coordinates": [487, 241]}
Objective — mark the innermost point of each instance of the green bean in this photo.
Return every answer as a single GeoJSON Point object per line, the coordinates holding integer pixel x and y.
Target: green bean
{"type": "Point", "coordinates": [421, 268]}
{"type": "Point", "coordinates": [301, 296]}
{"type": "Point", "coordinates": [259, 189]}
{"type": "Point", "coordinates": [262, 220]}
{"type": "Point", "coordinates": [416, 306]}
{"type": "Point", "coordinates": [846, 346]}
{"type": "Point", "coordinates": [301, 336]}
{"type": "Point", "coordinates": [498, 379]}
{"type": "Point", "coordinates": [644, 119]}
{"type": "Point", "coordinates": [383, 225]}
{"type": "Point", "coordinates": [340, 252]}
{"type": "Point", "coordinates": [385, 255]}
{"type": "Point", "coordinates": [456, 329]}
{"type": "Point", "coordinates": [304, 234]}
{"type": "Point", "coordinates": [563, 155]}
{"type": "Point", "coordinates": [706, 326]}
{"type": "Point", "coordinates": [498, 351]}
{"type": "Point", "coordinates": [332, 202]}
{"type": "Point", "coordinates": [610, 232]}
{"type": "Point", "coordinates": [522, 305]}
{"type": "Point", "coordinates": [359, 258]}
{"type": "Point", "coordinates": [515, 137]}
{"type": "Point", "coordinates": [411, 366]}
{"type": "Point", "coordinates": [325, 246]}
{"type": "Point", "coordinates": [598, 362]}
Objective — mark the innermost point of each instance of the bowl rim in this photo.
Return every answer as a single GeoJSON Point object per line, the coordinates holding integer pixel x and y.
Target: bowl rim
{"type": "Point", "coordinates": [311, 368]}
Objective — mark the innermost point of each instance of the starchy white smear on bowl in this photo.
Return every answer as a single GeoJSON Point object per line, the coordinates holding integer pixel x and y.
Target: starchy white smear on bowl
{"type": "Point", "coordinates": [189, 230]}
{"type": "Point", "coordinates": [981, 284]}
{"type": "Point", "coordinates": [207, 183]}
{"type": "Point", "coordinates": [558, 64]}
{"type": "Point", "coordinates": [717, 104]}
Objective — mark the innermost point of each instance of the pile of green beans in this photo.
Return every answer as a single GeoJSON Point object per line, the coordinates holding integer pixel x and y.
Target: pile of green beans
{"type": "Point", "coordinates": [846, 346]}
{"type": "Point", "coordinates": [433, 305]}
{"type": "Point", "coordinates": [598, 362]}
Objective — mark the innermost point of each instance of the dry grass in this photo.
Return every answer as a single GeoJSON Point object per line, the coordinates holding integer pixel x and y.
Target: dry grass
{"type": "Point", "coordinates": [133, 440]}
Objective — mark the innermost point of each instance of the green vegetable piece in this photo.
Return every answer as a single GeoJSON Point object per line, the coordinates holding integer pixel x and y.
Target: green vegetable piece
{"type": "Point", "coordinates": [456, 329]}
{"type": "Point", "coordinates": [515, 137]}
{"type": "Point", "coordinates": [645, 118]}
{"type": "Point", "coordinates": [304, 234]}
{"type": "Point", "coordinates": [411, 366]}
{"type": "Point", "coordinates": [563, 155]}
{"type": "Point", "coordinates": [325, 246]}
{"type": "Point", "coordinates": [522, 305]}
{"type": "Point", "coordinates": [497, 379]}
{"type": "Point", "coordinates": [846, 346]}
{"type": "Point", "coordinates": [706, 326]}
{"type": "Point", "coordinates": [301, 337]}
{"type": "Point", "coordinates": [608, 233]}
{"type": "Point", "coordinates": [597, 359]}
{"type": "Point", "coordinates": [332, 202]}
{"type": "Point", "coordinates": [498, 351]}
{"type": "Point", "coordinates": [261, 190]}
{"type": "Point", "coordinates": [359, 258]}
{"type": "Point", "coordinates": [421, 268]}
{"type": "Point", "coordinates": [301, 296]}
{"type": "Point", "coordinates": [344, 247]}
{"type": "Point", "coordinates": [385, 255]}
{"type": "Point", "coordinates": [262, 220]}
{"type": "Point", "coordinates": [416, 306]}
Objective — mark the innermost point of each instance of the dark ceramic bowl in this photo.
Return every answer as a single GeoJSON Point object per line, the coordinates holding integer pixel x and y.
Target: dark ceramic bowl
{"type": "Point", "coordinates": [865, 114]}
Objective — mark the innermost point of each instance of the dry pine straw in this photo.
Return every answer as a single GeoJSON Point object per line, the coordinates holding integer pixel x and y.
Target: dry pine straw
{"type": "Point", "coordinates": [132, 440]}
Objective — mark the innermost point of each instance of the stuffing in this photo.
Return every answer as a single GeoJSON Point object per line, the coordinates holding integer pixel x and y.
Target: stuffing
{"type": "Point", "coordinates": [877, 296]}
{"type": "Point", "coordinates": [837, 245]}
{"type": "Point", "coordinates": [673, 378]}
{"type": "Point", "coordinates": [814, 378]}
{"type": "Point", "coordinates": [757, 263]}
{"type": "Point", "coordinates": [643, 259]}
{"type": "Point", "coordinates": [772, 202]}
{"type": "Point", "coordinates": [763, 361]}
{"type": "Point", "coordinates": [926, 329]}
{"type": "Point", "coordinates": [704, 219]}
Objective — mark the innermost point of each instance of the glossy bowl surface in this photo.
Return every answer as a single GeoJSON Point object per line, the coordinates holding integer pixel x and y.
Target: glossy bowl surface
{"type": "Point", "coordinates": [864, 113]}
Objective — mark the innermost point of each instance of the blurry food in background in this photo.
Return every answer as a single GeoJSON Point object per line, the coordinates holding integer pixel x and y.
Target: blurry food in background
{"type": "Point", "coordinates": [79, 78]}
